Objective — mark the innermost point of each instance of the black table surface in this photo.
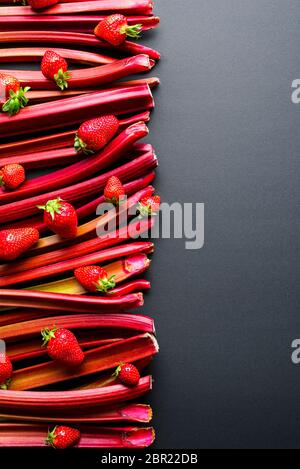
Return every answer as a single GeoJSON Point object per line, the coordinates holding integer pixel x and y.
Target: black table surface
{"type": "Point", "coordinates": [227, 134]}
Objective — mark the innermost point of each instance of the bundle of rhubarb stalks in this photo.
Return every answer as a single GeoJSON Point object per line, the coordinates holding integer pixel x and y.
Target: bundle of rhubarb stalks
{"type": "Point", "coordinates": [76, 209]}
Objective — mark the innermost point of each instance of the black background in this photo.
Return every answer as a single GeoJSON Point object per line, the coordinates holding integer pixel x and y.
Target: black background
{"type": "Point", "coordinates": [227, 134]}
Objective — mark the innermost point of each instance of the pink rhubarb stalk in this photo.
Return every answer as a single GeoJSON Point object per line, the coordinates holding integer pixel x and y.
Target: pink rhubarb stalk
{"type": "Point", "coordinates": [130, 287]}
{"type": "Point", "coordinates": [33, 436]}
{"type": "Point", "coordinates": [138, 413]}
{"type": "Point", "coordinates": [73, 39]}
{"type": "Point", "coordinates": [140, 7]}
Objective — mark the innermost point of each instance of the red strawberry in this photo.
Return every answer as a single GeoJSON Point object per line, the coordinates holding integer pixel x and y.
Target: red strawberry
{"type": "Point", "coordinates": [12, 96]}
{"type": "Point", "coordinates": [15, 242]}
{"type": "Point", "coordinates": [149, 206]}
{"type": "Point", "coordinates": [114, 190]}
{"type": "Point", "coordinates": [12, 176]}
{"type": "Point", "coordinates": [40, 4]}
{"type": "Point", "coordinates": [6, 371]}
{"type": "Point", "coordinates": [114, 29]}
{"type": "Point", "coordinates": [63, 347]}
{"type": "Point", "coordinates": [128, 374]}
{"type": "Point", "coordinates": [95, 134]}
{"type": "Point", "coordinates": [94, 279]}
{"type": "Point", "coordinates": [60, 217]}
{"type": "Point", "coordinates": [63, 437]}
{"type": "Point", "coordinates": [54, 67]}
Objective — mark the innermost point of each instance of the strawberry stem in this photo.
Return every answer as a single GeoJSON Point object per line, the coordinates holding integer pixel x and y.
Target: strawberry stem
{"type": "Point", "coordinates": [51, 438]}
{"type": "Point", "coordinates": [106, 284]}
{"type": "Point", "coordinates": [5, 386]}
{"type": "Point", "coordinates": [80, 146]}
{"type": "Point", "coordinates": [52, 207]}
{"type": "Point", "coordinates": [47, 335]}
{"type": "Point", "coordinates": [61, 79]}
{"type": "Point", "coordinates": [16, 101]}
{"type": "Point", "coordinates": [133, 31]}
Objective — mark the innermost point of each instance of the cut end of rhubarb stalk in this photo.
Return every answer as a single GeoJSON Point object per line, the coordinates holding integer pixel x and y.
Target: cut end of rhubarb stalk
{"type": "Point", "coordinates": [138, 413]}
{"type": "Point", "coordinates": [141, 438]}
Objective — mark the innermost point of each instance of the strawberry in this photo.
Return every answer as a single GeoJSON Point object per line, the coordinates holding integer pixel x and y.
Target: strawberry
{"type": "Point", "coordinates": [149, 206]}
{"type": "Point", "coordinates": [94, 279]}
{"type": "Point", "coordinates": [115, 29]}
{"type": "Point", "coordinates": [63, 347]}
{"type": "Point", "coordinates": [40, 4]}
{"type": "Point", "coordinates": [114, 191]}
{"type": "Point", "coordinates": [14, 242]}
{"type": "Point", "coordinates": [60, 217]}
{"type": "Point", "coordinates": [12, 96]}
{"type": "Point", "coordinates": [54, 67]}
{"type": "Point", "coordinates": [63, 437]}
{"type": "Point", "coordinates": [12, 176]}
{"type": "Point", "coordinates": [128, 374]}
{"type": "Point", "coordinates": [6, 371]}
{"type": "Point", "coordinates": [95, 134]}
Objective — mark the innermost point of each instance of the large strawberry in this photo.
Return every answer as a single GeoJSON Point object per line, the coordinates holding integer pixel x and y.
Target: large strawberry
{"type": "Point", "coordinates": [63, 437]}
{"type": "Point", "coordinates": [114, 190]}
{"type": "Point", "coordinates": [128, 374]}
{"type": "Point", "coordinates": [115, 29]}
{"type": "Point", "coordinates": [54, 67]}
{"type": "Point", "coordinates": [40, 4]}
{"type": "Point", "coordinates": [14, 242]}
{"type": "Point", "coordinates": [63, 347]}
{"type": "Point", "coordinates": [12, 96]}
{"type": "Point", "coordinates": [95, 134]}
{"type": "Point", "coordinates": [12, 176]}
{"type": "Point", "coordinates": [60, 217]}
{"type": "Point", "coordinates": [6, 371]}
{"type": "Point", "coordinates": [149, 206]}
{"type": "Point", "coordinates": [94, 279]}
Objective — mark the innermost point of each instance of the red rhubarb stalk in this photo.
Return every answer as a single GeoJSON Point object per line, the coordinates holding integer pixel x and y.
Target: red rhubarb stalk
{"type": "Point", "coordinates": [97, 360]}
{"type": "Point", "coordinates": [74, 39]}
{"type": "Point", "coordinates": [130, 287]}
{"type": "Point", "coordinates": [35, 54]}
{"type": "Point", "coordinates": [71, 303]}
{"type": "Point", "coordinates": [120, 271]}
{"type": "Point", "coordinates": [77, 192]}
{"type": "Point", "coordinates": [139, 413]}
{"type": "Point", "coordinates": [86, 209]}
{"type": "Point", "coordinates": [73, 263]}
{"type": "Point", "coordinates": [81, 170]}
{"type": "Point", "coordinates": [33, 436]}
{"type": "Point", "coordinates": [28, 329]}
{"type": "Point", "coordinates": [89, 77]}
{"type": "Point", "coordinates": [142, 7]}
{"type": "Point", "coordinates": [75, 23]}
{"type": "Point", "coordinates": [49, 115]}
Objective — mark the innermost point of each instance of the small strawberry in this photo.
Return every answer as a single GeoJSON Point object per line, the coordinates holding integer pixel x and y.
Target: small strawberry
{"type": "Point", "coordinates": [12, 96]}
{"type": "Point", "coordinates": [14, 242]}
{"type": "Point", "coordinates": [60, 217]}
{"type": "Point", "coordinates": [6, 371]}
{"type": "Point", "coordinates": [128, 374]}
{"type": "Point", "coordinates": [54, 67]}
{"type": "Point", "coordinates": [115, 29]}
{"type": "Point", "coordinates": [149, 206]}
{"type": "Point", "coordinates": [94, 279]}
{"type": "Point", "coordinates": [12, 176]}
{"type": "Point", "coordinates": [95, 134]}
{"type": "Point", "coordinates": [40, 4]}
{"type": "Point", "coordinates": [63, 437]}
{"type": "Point", "coordinates": [114, 190]}
{"type": "Point", "coordinates": [63, 347]}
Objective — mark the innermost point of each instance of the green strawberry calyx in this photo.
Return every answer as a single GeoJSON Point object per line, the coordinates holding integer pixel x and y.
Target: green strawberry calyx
{"type": "Point", "coordinates": [5, 386]}
{"type": "Point", "coordinates": [48, 334]}
{"type": "Point", "coordinates": [105, 284]}
{"type": "Point", "coordinates": [51, 437]}
{"type": "Point", "coordinates": [133, 31]}
{"type": "Point", "coordinates": [61, 79]}
{"type": "Point", "coordinates": [17, 100]}
{"type": "Point", "coordinates": [81, 146]}
{"type": "Point", "coordinates": [52, 206]}
{"type": "Point", "coordinates": [118, 371]}
{"type": "Point", "coordinates": [146, 211]}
